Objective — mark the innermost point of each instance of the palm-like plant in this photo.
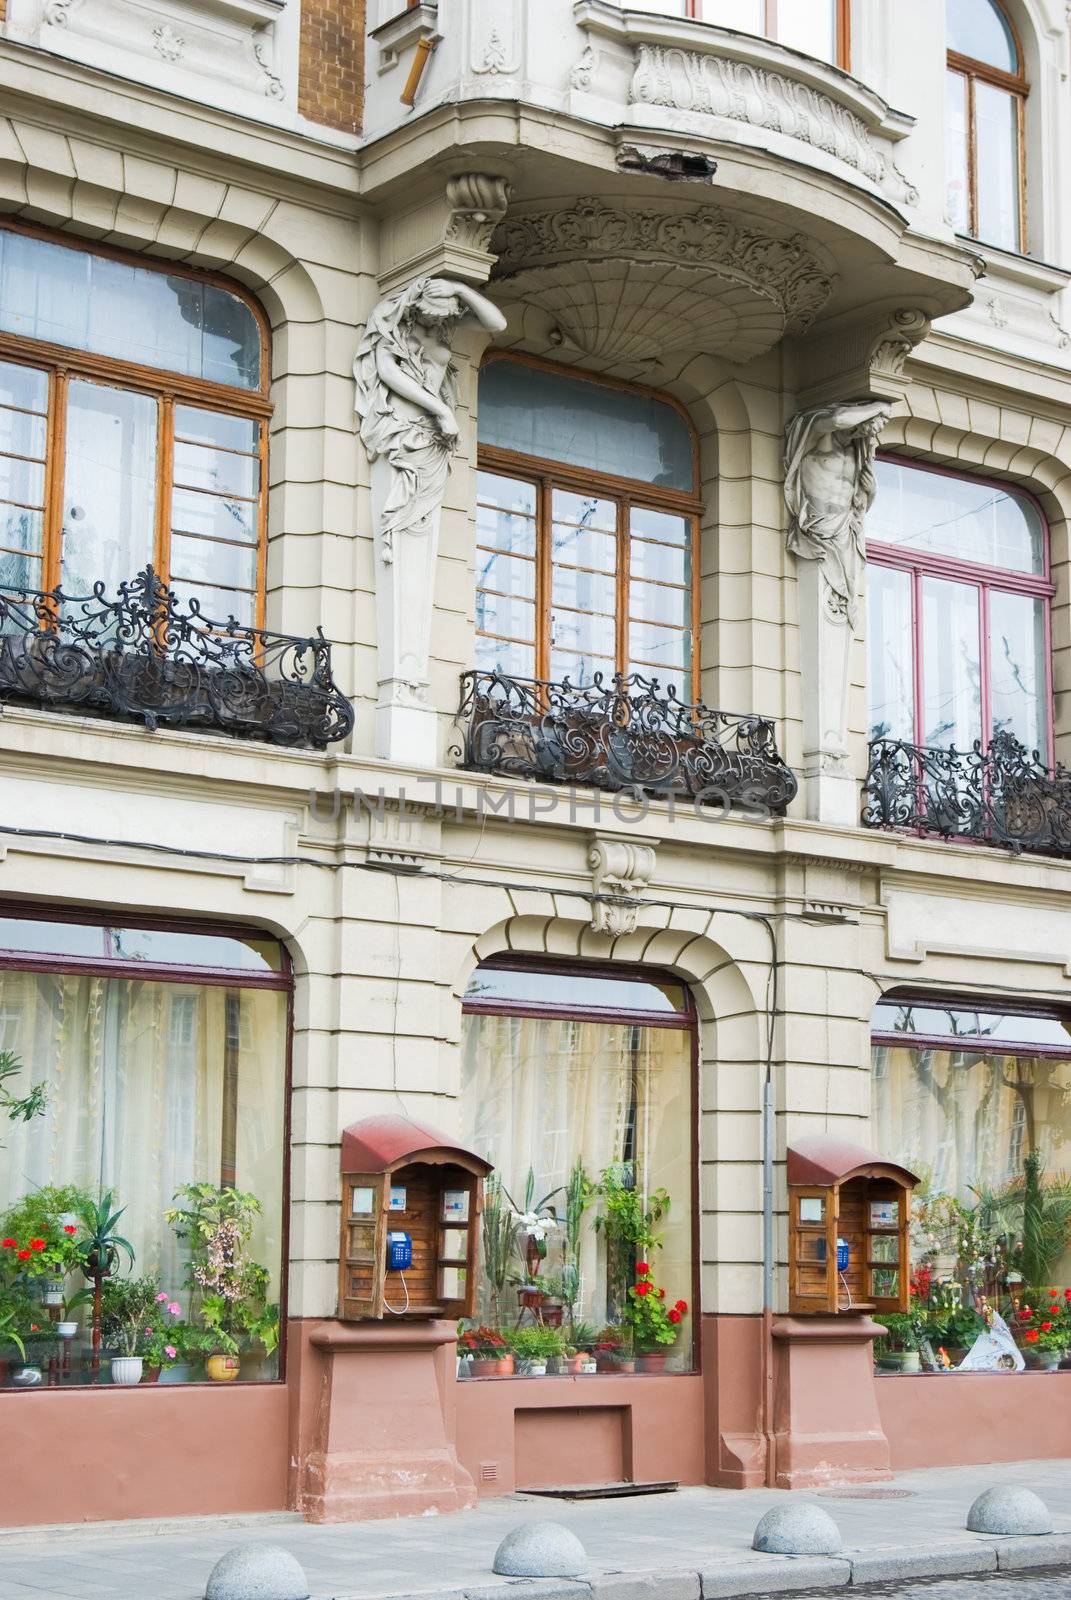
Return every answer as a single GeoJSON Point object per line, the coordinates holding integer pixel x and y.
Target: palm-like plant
{"type": "Point", "coordinates": [498, 1242]}
{"type": "Point", "coordinates": [1033, 1213]}
{"type": "Point", "coordinates": [101, 1248]}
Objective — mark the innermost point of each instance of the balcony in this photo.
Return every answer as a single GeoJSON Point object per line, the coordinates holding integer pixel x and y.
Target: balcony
{"type": "Point", "coordinates": [143, 657]}
{"type": "Point", "coordinates": [1002, 795]}
{"type": "Point", "coordinates": [629, 735]}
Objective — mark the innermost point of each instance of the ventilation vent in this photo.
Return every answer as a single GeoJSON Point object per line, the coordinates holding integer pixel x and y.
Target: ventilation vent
{"type": "Point", "coordinates": [488, 1471]}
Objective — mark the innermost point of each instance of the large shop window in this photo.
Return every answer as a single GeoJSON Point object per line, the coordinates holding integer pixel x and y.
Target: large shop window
{"type": "Point", "coordinates": [159, 1060]}
{"type": "Point", "coordinates": [586, 527]}
{"type": "Point", "coordinates": [984, 124]}
{"type": "Point", "coordinates": [816, 27]}
{"type": "Point", "coordinates": [578, 1086]}
{"type": "Point", "coordinates": [958, 611]}
{"type": "Point", "coordinates": [133, 427]}
{"type": "Point", "coordinates": [977, 1102]}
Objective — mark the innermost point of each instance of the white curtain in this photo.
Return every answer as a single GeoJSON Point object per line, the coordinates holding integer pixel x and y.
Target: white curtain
{"type": "Point", "coordinates": [137, 1073]}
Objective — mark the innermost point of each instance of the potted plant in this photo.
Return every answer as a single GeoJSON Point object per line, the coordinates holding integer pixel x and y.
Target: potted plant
{"type": "Point", "coordinates": [532, 1223]}
{"type": "Point", "coordinates": [579, 1193]}
{"type": "Point", "coordinates": [533, 1348]}
{"type": "Point", "coordinates": [498, 1238]}
{"type": "Point", "coordinates": [954, 1330]}
{"type": "Point", "coordinates": [487, 1351]}
{"type": "Point", "coordinates": [128, 1314]}
{"type": "Point", "coordinates": [899, 1350]}
{"type": "Point", "coordinates": [1042, 1336]}
{"type": "Point", "coordinates": [101, 1249]}
{"type": "Point", "coordinates": [655, 1324]}
{"type": "Point", "coordinates": [628, 1222]}
{"type": "Point", "coordinates": [67, 1326]}
{"type": "Point", "coordinates": [613, 1349]}
{"type": "Point", "coordinates": [232, 1288]}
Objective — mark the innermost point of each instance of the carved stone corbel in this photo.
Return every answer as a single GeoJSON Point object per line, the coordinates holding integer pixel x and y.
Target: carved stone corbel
{"type": "Point", "coordinates": [866, 357]}
{"type": "Point", "coordinates": [622, 870]}
{"type": "Point", "coordinates": [448, 235]}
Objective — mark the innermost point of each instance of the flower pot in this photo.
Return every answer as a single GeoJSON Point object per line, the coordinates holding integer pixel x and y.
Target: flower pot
{"type": "Point", "coordinates": [151, 1375]}
{"type": "Point", "coordinates": [587, 1365]}
{"type": "Point", "coordinates": [492, 1367]}
{"type": "Point", "coordinates": [1042, 1360]}
{"type": "Point", "coordinates": [625, 1364]}
{"type": "Point", "coordinates": [607, 1361]}
{"type": "Point", "coordinates": [530, 1299]}
{"type": "Point", "coordinates": [900, 1361]}
{"type": "Point", "coordinates": [66, 1330]}
{"type": "Point", "coordinates": [552, 1315]}
{"type": "Point", "coordinates": [126, 1369]}
{"type": "Point", "coordinates": [27, 1378]}
{"type": "Point", "coordinates": [223, 1369]}
{"type": "Point", "coordinates": [178, 1373]}
{"type": "Point", "coordinates": [652, 1361]}
{"type": "Point", "coordinates": [532, 1369]}
{"type": "Point", "coordinates": [52, 1292]}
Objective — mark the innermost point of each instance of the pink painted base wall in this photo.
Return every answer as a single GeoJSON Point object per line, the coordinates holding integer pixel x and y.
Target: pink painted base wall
{"type": "Point", "coordinates": [158, 1450]}
{"type": "Point", "coordinates": [542, 1432]}
{"type": "Point", "coordinates": [971, 1418]}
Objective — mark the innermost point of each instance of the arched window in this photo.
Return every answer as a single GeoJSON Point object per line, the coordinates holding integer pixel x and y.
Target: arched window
{"type": "Point", "coordinates": [986, 101]}
{"type": "Point", "coordinates": [133, 426]}
{"type": "Point", "coordinates": [586, 528]}
{"type": "Point", "coordinates": [578, 1085]}
{"type": "Point", "coordinates": [958, 611]}
{"type": "Point", "coordinates": [816, 27]}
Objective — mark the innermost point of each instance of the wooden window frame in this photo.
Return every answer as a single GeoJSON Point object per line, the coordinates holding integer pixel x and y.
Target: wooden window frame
{"type": "Point", "coordinates": [842, 27]}
{"type": "Point", "coordinates": [167, 388]}
{"type": "Point", "coordinates": [1015, 84]}
{"type": "Point", "coordinates": [920, 565]}
{"type": "Point", "coordinates": [686, 1021]}
{"type": "Point", "coordinates": [546, 476]}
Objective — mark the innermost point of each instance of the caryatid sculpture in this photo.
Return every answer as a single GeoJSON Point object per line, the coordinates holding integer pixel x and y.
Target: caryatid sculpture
{"type": "Point", "coordinates": [406, 391]}
{"type": "Point", "coordinates": [829, 488]}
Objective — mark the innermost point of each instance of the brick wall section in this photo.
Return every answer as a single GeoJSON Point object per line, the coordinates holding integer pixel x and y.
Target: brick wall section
{"type": "Point", "coordinates": [331, 75]}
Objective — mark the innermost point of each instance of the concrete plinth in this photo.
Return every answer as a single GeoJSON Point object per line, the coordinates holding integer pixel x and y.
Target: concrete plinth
{"type": "Point", "coordinates": [827, 1427]}
{"type": "Point", "coordinates": [380, 1439]}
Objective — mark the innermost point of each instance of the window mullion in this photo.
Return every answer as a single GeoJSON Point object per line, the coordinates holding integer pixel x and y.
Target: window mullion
{"type": "Point", "coordinates": [262, 530]}
{"type": "Point", "coordinates": [624, 594]}
{"type": "Point", "coordinates": [165, 452]}
{"type": "Point", "coordinates": [544, 576]}
{"type": "Point", "coordinates": [985, 709]}
{"type": "Point", "coordinates": [55, 472]}
{"type": "Point", "coordinates": [972, 159]}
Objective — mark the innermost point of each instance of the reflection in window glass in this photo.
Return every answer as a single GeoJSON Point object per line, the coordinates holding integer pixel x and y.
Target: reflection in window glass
{"type": "Point", "coordinates": [936, 514]}
{"type": "Point", "coordinates": [109, 495]}
{"type": "Point", "coordinates": [957, 156]}
{"type": "Point", "coordinates": [979, 29]}
{"type": "Point", "coordinates": [1017, 667]}
{"type": "Point", "coordinates": [550, 1098]}
{"type": "Point", "coordinates": [889, 656]}
{"type": "Point", "coordinates": [552, 415]}
{"type": "Point", "coordinates": [996, 132]}
{"type": "Point", "coordinates": [951, 668]}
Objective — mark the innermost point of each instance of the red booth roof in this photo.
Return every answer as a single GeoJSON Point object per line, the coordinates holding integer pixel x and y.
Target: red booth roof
{"type": "Point", "coordinates": [379, 1144]}
{"type": "Point", "coordinates": [822, 1160]}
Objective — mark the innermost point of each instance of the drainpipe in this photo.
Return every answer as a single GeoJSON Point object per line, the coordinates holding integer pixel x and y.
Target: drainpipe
{"type": "Point", "coordinates": [768, 1279]}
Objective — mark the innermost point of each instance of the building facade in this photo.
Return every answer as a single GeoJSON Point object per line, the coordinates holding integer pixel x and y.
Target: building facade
{"type": "Point", "coordinates": [534, 582]}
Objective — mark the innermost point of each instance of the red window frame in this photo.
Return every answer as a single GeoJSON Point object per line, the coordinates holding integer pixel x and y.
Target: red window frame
{"type": "Point", "coordinates": [920, 565]}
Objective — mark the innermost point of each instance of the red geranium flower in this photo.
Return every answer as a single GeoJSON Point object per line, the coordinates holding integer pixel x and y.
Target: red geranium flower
{"type": "Point", "coordinates": [661, 1294]}
{"type": "Point", "coordinates": [1067, 1294]}
{"type": "Point", "coordinates": [70, 1228]}
{"type": "Point", "coordinates": [24, 1255]}
{"type": "Point", "coordinates": [642, 1269]}
{"type": "Point", "coordinates": [1032, 1336]}
{"type": "Point", "coordinates": [10, 1244]}
{"type": "Point", "coordinates": [682, 1305]}
{"type": "Point", "coordinates": [37, 1244]}
{"type": "Point", "coordinates": [1046, 1327]}
{"type": "Point", "coordinates": [674, 1315]}
{"type": "Point", "coordinates": [643, 1288]}
{"type": "Point", "coordinates": [34, 1328]}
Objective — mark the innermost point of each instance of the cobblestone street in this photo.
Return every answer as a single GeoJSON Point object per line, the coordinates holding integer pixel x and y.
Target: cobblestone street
{"type": "Point", "coordinates": [1048, 1585]}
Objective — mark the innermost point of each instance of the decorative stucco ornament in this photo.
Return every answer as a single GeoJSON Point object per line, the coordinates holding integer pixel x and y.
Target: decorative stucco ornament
{"type": "Point", "coordinates": [406, 390]}
{"type": "Point", "coordinates": [829, 488]}
{"type": "Point", "coordinates": [622, 870]}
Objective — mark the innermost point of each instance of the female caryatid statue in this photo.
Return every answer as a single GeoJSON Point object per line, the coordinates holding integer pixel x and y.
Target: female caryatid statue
{"type": "Point", "coordinates": [406, 390]}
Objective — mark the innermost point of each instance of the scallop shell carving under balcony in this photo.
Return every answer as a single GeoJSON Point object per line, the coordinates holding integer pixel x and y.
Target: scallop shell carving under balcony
{"type": "Point", "coordinates": [629, 286]}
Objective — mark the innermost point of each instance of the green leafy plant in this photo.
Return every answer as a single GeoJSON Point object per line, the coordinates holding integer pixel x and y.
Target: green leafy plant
{"type": "Point", "coordinates": [533, 1221]}
{"type": "Point", "coordinates": [232, 1288]}
{"type": "Point", "coordinates": [579, 1193]}
{"type": "Point", "coordinates": [902, 1331]}
{"type": "Point", "coordinates": [499, 1242]}
{"type": "Point", "coordinates": [101, 1250]}
{"type": "Point", "coordinates": [628, 1222]}
{"type": "Point", "coordinates": [9, 1331]}
{"type": "Point", "coordinates": [19, 1108]}
{"type": "Point", "coordinates": [654, 1322]}
{"type": "Point", "coordinates": [536, 1343]}
{"type": "Point", "coordinates": [128, 1312]}
{"type": "Point", "coordinates": [482, 1344]}
{"type": "Point", "coordinates": [1032, 1215]}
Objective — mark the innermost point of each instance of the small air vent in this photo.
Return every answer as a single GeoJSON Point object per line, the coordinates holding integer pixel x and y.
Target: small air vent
{"type": "Point", "coordinates": [488, 1471]}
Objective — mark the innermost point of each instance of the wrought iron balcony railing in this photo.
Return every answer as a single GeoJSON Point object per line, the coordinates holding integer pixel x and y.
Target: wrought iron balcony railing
{"type": "Point", "coordinates": [144, 656]}
{"type": "Point", "coordinates": [627, 734]}
{"type": "Point", "coordinates": [1003, 795]}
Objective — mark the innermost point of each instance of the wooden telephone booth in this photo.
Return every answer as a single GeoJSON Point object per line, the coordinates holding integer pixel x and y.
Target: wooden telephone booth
{"type": "Point", "coordinates": [411, 1203]}
{"type": "Point", "coordinates": [849, 1211]}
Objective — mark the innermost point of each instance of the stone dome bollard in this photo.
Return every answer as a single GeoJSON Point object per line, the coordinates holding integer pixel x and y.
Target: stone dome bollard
{"type": "Point", "coordinates": [1008, 1509]}
{"type": "Point", "coordinates": [257, 1572]}
{"type": "Point", "coordinates": [540, 1550]}
{"type": "Point", "coordinates": [797, 1528]}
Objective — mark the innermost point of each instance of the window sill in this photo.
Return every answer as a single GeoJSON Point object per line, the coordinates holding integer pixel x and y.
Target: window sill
{"type": "Point", "coordinates": [1016, 267]}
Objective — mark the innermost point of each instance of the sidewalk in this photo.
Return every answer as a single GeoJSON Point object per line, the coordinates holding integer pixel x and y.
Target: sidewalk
{"type": "Point", "coordinates": [672, 1547]}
